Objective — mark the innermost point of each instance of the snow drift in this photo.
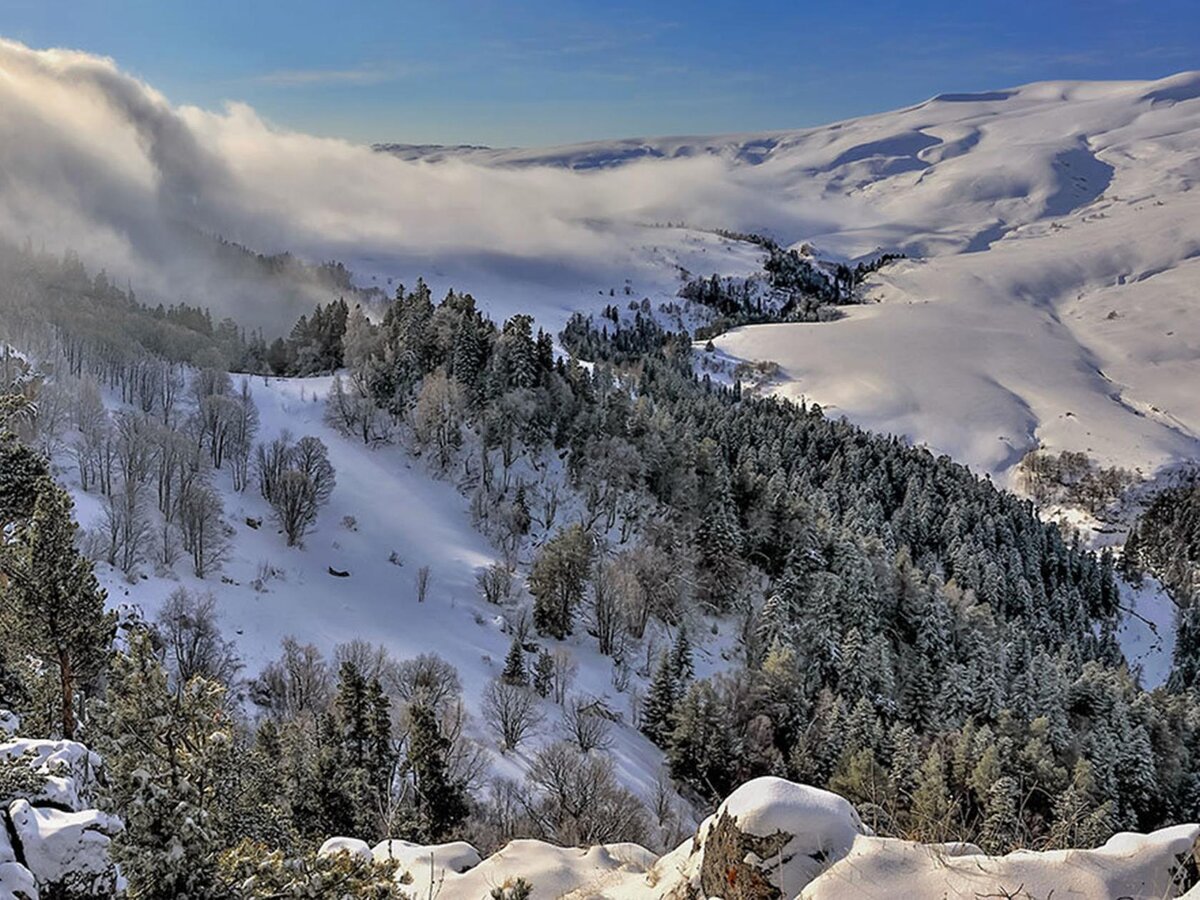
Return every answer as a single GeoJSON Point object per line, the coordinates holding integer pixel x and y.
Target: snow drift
{"type": "Point", "coordinates": [775, 840]}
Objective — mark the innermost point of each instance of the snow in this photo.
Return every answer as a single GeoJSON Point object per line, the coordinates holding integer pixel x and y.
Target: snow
{"type": "Point", "coordinates": [1062, 238]}
{"type": "Point", "coordinates": [855, 865]}
{"type": "Point", "coordinates": [554, 872]}
{"type": "Point", "coordinates": [420, 861]}
{"type": "Point", "coordinates": [49, 840]}
{"type": "Point", "coordinates": [1140, 867]}
{"type": "Point", "coordinates": [353, 846]}
{"type": "Point", "coordinates": [65, 848]}
{"type": "Point", "coordinates": [69, 769]}
{"type": "Point", "coordinates": [1147, 632]}
{"type": "Point", "coordinates": [401, 509]}
{"type": "Point", "coordinates": [17, 882]}
{"type": "Point", "coordinates": [823, 826]}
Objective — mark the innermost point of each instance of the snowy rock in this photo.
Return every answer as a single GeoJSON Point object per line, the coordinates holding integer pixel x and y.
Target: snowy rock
{"type": "Point", "coordinates": [10, 722]}
{"type": "Point", "coordinates": [17, 882]}
{"type": "Point", "coordinates": [353, 846]}
{"type": "Point", "coordinates": [419, 861]}
{"type": "Point", "coordinates": [1136, 866]}
{"type": "Point", "coordinates": [67, 852]}
{"type": "Point", "coordinates": [769, 839]}
{"type": "Point", "coordinates": [68, 766]}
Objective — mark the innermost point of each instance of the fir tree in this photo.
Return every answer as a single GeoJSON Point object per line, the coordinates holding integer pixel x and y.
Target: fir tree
{"type": "Point", "coordinates": [54, 602]}
{"type": "Point", "coordinates": [441, 802]}
{"type": "Point", "coordinates": [514, 664]}
{"type": "Point", "coordinates": [658, 709]}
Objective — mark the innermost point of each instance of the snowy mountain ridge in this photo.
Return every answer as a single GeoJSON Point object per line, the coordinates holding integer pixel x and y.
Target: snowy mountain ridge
{"type": "Point", "coordinates": [1054, 242]}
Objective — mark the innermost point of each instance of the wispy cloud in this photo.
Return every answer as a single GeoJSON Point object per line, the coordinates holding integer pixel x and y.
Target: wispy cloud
{"type": "Point", "coordinates": [359, 75]}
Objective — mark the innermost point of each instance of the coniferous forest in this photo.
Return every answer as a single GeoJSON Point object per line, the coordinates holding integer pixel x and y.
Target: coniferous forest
{"type": "Point", "coordinates": [908, 635]}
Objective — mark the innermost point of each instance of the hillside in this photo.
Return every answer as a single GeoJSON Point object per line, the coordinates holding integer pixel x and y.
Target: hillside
{"type": "Point", "coordinates": [524, 559]}
{"type": "Point", "coordinates": [1054, 242]}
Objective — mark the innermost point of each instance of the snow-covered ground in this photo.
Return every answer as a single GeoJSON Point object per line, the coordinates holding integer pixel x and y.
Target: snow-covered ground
{"type": "Point", "coordinates": [403, 517]}
{"type": "Point", "coordinates": [1056, 303]}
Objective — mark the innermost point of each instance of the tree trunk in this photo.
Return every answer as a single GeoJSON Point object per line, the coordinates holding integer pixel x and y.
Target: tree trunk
{"type": "Point", "coordinates": [67, 677]}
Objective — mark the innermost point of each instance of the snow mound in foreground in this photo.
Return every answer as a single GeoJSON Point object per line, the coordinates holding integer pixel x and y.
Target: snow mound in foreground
{"type": "Point", "coordinates": [776, 840]}
{"type": "Point", "coordinates": [1130, 865]}
{"type": "Point", "coordinates": [51, 843]}
{"type": "Point", "coordinates": [421, 861]}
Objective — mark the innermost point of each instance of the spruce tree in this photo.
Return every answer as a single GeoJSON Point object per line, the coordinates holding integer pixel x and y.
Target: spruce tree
{"type": "Point", "coordinates": [55, 604]}
{"type": "Point", "coordinates": [700, 746]}
{"type": "Point", "coordinates": [441, 802]}
{"type": "Point", "coordinates": [658, 708]}
{"type": "Point", "coordinates": [682, 667]}
{"type": "Point", "coordinates": [719, 566]}
{"type": "Point", "coordinates": [543, 673]}
{"type": "Point", "coordinates": [514, 664]}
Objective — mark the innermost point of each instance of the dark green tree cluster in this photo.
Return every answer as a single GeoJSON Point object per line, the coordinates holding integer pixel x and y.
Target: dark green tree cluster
{"type": "Point", "coordinates": [314, 345]}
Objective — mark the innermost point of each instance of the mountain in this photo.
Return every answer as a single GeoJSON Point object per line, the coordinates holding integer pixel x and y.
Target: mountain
{"type": "Point", "coordinates": [577, 578]}
{"type": "Point", "coordinates": [1054, 243]}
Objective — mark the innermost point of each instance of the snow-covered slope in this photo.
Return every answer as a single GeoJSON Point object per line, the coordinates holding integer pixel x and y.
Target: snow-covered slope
{"type": "Point", "coordinates": [1057, 303]}
{"type": "Point", "coordinates": [389, 516]}
{"type": "Point", "coordinates": [1053, 227]}
{"type": "Point", "coordinates": [1052, 297]}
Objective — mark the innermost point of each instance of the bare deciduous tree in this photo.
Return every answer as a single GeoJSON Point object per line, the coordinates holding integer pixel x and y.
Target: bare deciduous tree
{"type": "Point", "coordinates": [201, 528]}
{"type": "Point", "coordinates": [427, 679]}
{"type": "Point", "coordinates": [511, 711]}
{"type": "Point", "coordinates": [577, 800]}
{"type": "Point", "coordinates": [438, 416]}
{"type": "Point", "coordinates": [587, 724]}
{"type": "Point", "coordinates": [191, 637]}
{"type": "Point", "coordinates": [297, 480]}
{"type": "Point", "coordinates": [298, 683]}
{"type": "Point", "coordinates": [495, 582]}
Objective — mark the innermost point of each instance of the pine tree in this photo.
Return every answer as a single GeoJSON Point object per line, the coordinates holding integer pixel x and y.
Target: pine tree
{"type": "Point", "coordinates": [54, 603]}
{"type": "Point", "coordinates": [441, 802]}
{"type": "Point", "coordinates": [171, 761]}
{"type": "Point", "coordinates": [21, 471]}
{"type": "Point", "coordinates": [514, 664]}
{"type": "Point", "coordinates": [658, 709]}
{"type": "Point", "coordinates": [543, 673]}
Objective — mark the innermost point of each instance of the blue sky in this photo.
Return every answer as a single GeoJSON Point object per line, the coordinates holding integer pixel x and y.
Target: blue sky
{"type": "Point", "coordinates": [528, 73]}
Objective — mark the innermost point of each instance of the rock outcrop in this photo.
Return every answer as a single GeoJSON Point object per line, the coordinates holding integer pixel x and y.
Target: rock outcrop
{"type": "Point", "coordinates": [52, 842]}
